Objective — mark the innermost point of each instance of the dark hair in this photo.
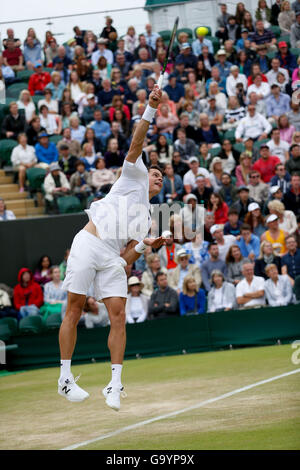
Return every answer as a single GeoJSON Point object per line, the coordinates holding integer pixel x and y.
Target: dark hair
{"type": "Point", "coordinates": [220, 199]}
{"type": "Point", "coordinates": [229, 257]}
{"type": "Point", "coordinates": [249, 220]}
{"type": "Point", "coordinates": [212, 244]}
{"type": "Point", "coordinates": [160, 273]}
{"type": "Point", "coordinates": [245, 227]}
{"type": "Point", "coordinates": [156, 167]}
{"type": "Point", "coordinates": [39, 267]}
{"type": "Point", "coordinates": [232, 210]}
{"type": "Point", "coordinates": [43, 107]}
{"type": "Point", "coordinates": [159, 146]}
{"type": "Point", "coordinates": [293, 146]}
{"type": "Point", "coordinates": [79, 162]}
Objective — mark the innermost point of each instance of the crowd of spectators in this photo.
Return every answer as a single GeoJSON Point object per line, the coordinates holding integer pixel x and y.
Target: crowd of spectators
{"type": "Point", "coordinates": [227, 135]}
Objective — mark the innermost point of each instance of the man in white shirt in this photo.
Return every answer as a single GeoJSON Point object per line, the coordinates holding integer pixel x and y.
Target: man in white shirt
{"type": "Point", "coordinates": [121, 219]}
{"type": "Point", "coordinates": [233, 79]}
{"type": "Point", "coordinates": [272, 74]}
{"type": "Point", "coordinates": [224, 242]}
{"type": "Point", "coordinates": [250, 291]}
{"type": "Point", "coordinates": [189, 179]}
{"type": "Point", "coordinates": [254, 126]}
{"type": "Point", "coordinates": [262, 89]}
{"type": "Point", "coordinates": [150, 36]}
{"type": "Point", "coordinates": [279, 148]}
{"type": "Point", "coordinates": [102, 51]}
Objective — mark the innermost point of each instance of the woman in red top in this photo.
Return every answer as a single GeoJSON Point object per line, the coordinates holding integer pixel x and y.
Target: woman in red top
{"type": "Point", "coordinates": [117, 103]}
{"type": "Point", "coordinates": [28, 294]}
{"type": "Point", "coordinates": [218, 207]}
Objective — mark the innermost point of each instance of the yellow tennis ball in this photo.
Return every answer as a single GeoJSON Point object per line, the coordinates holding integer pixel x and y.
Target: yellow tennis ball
{"type": "Point", "coordinates": [202, 31]}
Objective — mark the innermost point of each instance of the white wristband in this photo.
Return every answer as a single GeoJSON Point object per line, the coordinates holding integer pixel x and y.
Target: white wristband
{"type": "Point", "coordinates": [149, 113]}
{"type": "Point", "coordinates": [140, 247]}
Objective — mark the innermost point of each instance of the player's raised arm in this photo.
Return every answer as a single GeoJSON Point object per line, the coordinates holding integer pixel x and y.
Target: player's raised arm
{"type": "Point", "coordinates": [139, 135]}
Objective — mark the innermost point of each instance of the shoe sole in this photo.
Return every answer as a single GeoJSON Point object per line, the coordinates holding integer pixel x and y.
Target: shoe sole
{"type": "Point", "coordinates": [110, 406]}
{"type": "Point", "coordinates": [73, 401]}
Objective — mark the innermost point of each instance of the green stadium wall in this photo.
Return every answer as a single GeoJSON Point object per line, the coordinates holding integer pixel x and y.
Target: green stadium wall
{"type": "Point", "coordinates": [166, 336]}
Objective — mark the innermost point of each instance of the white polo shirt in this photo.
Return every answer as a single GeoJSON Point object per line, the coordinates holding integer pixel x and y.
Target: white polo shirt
{"type": "Point", "coordinates": [229, 240]}
{"type": "Point", "coordinates": [190, 177]}
{"type": "Point", "coordinates": [243, 287]}
{"type": "Point", "coordinates": [278, 150]}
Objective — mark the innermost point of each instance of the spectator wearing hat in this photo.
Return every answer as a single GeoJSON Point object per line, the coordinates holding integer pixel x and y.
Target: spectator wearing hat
{"type": "Point", "coordinates": [202, 191]}
{"type": "Point", "coordinates": [175, 90]}
{"type": "Point", "coordinates": [55, 185]}
{"type": "Point", "coordinates": [189, 59]}
{"type": "Point", "coordinates": [12, 56]}
{"type": "Point", "coordinates": [243, 202]}
{"type": "Point", "coordinates": [254, 125]}
{"type": "Point", "coordinates": [275, 235]}
{"type": "Point", "coordinates": [255, 219]}
{"type": "Point", "coordinates": [137, 302]}
{"type": "Point", "coordinates": [192, 299]}
{"type": "Point", "coordinates": [263, 36]}
{"type": "Point", "coordinates": [278, 288]}
{"type": "Point", "coordinates": [258, 190]}
{"type": "Point", "coordinates": [240, 44]}
{"type": "Point", "coordinates": [189, 179]}
{"type": "Point", "coordinates": [102, 51]}
{"type": "Point", "coordinates": [192, 214]}
{"type": "Point", "coordinates": [233, 79]}
{"type": "Point", "coordinates": [201, 41]}
{"type": "Point", "coordinates": [266, 164]}
{"type": "Point", "coordinates": [222, 64]}
{"type": "Point", "coordinates": [295, 31]}
{"type": "Point", "coordinates": [66, 160]}
{"type": "Point", "coordinates": [164, 300]}
{"type": "Point", "coordinates": [32, 52]}
{"type": "Point", "coordinates": [14, 123]}
{"type": "Point", "coordinates": [221, 295]}
{"type": "Point", "coordinates": [38, 80]}
{"type": "Point", "coordinates": [233, 226]}
{"type": "Point", "coordinates": [183, 269]}
{"type": "Point", "coordinates": [287, 59]}
{"type": "Point", "coordinates": [250, 291]}
{"type": "Point", "coordinates": [5, 214]}
{"type": "Point", "coordinates": [291, 260]}
{"type": "Point", "coordinates": [46, 151]}
{"type": "Point", "coordinates": [214, 262]}
{"type": "Point", "coordinates": [224, 242]}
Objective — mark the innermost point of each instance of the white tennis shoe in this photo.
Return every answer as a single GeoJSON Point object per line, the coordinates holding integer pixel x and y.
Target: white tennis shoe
{"type": "Point", "coordinates": [112, 395]}
{"type": "Point", "coordinates": [71, 391]}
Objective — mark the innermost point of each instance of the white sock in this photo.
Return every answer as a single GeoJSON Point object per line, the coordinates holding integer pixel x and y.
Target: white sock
{"type": "Point", "coordinates": [65, 369]}
{"type": "Point", "coordinates": [116, 371]}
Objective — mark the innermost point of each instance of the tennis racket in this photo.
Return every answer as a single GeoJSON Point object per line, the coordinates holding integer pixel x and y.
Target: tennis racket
{"type": "Point", "coordinates": [160, 80]}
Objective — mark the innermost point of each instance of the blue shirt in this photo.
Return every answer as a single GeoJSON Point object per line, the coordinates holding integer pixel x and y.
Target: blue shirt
{"type": "Point", "coordinates": [78, 134]}
{"type": "Point", "coordinates": [197, 46]}
{"type": "Point", "coordinates": [277, 107]}
{"type": "Point", "coordinates": [57, 91]}
{"type": "Point", "coordinates": [175, 93]}
{"type": "Point", "coordinates": [221, 84]}
{"type": "Point", "coordinates": [46, 155]}
{"type": "Point", "coordinates": [253, 246]}
{"type": "Point", "coordinates": [292, 263]}
{"type": "Point", "coordinates": [32, 54]}
{"type": "Point", "coordinates": [102, 130]}
{"type": "Point", "coordinates": [191, 304]}
{"type": "Point", "coordinates": [224, 69]}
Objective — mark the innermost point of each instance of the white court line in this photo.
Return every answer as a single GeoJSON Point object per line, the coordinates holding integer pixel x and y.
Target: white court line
{"type": "Point", "coordinates": [176, 413]}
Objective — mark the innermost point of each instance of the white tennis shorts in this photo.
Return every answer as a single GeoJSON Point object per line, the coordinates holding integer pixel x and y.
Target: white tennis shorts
{"type": "Point", "coordinates": [92, 261]}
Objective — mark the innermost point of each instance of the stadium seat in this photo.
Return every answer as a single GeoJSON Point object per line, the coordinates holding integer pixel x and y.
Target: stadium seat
{"type": "Point", "coordinates": [53, 321]}
{"type": "Point", "coordinates": [258, 143]}
{"type": "Point", "coordinates": [230, 135]}
{"type": "Point", "coordinates": [35, 178]}
{"type": "Point", "coordinates": [208, 27]}
{"type": "Point", "coordinates": [25, 75]}
{"type": "Point", "coordinates": [185, 30]}
{"type": "Point", "coordinates": [5, 333]}
{"type": "Point", "coordinates": [271, 54]}
{"type": "Point", "coordinates": [215, 43]}
{"type": "Point", "coordinates": [239, 147]}
{"type": "Point", "coordinates": [11, 323]}
{"type": "Point", "coordinates": [14, 90]}
{"type": "Point", "coordinates": [6, 147]}
{"type": "Point", "coordinates": [33, 324]}
{"type": "Point", "coordinates": [285, 38]}
{"type": "Point", "coordinates": [297, 288]}
{"type": "Point", "coordinates": [276, 30]}
{"type": "Point", "coordinates": [295, 51]}
{"type": "Point", "coordinates": [165, 34]}
{"type": "Point", "coordinates": [215, 151]}
{"type": "Point", "coordinates": [68, 204]}
{"type": "Point", "coordinates": [55, 138]}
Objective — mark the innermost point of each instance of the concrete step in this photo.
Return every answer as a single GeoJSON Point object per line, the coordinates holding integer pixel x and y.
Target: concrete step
{"type": "Point", "coordinates": [13, 195]}
{"type": "Point", "coordinates": [19, 203]}
{"type": "Point", "coordinates": [9, 188]}
{"type": "Point", "coordinates": [6, 179]}
{"type": "Point", "coordinates": [29, 212]}
{"type": "Point", "coordinates": [2, 173]}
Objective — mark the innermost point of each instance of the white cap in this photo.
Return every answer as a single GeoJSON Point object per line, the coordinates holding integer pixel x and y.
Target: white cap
{"type": "Point", "coordinates": [90, 96]}
{"type": "Point", "coordinates": [274, 189]}
{"type": "Point", "coordinates": [166, 234]}
{"type": "Point", "coordinates": [214, 228]}
{"type": "Point", "coordinates": [253, 206]}
{"type": "Point", "coordinates": [180, 253]}
{"type": "Point", "coordinates": [272, 218]}
{"type": "Point", "coordinates": [134, 280]}
{"type": "Point", "coordinates": [221, 52]}
{"type": "Point", "coordinates": [190, 196]}
{"type": "Point", "coordinates": [193, 159]}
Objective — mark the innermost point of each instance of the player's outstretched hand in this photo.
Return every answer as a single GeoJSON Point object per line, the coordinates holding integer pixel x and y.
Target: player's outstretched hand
{"type": "Point", "coordinates": [155, 97]}
{"type": "Point", "coordinates": [155, 242]}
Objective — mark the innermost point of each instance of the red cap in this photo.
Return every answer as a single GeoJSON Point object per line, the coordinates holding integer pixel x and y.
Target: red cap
{"type": "Point", "coordinates": [282, 44]}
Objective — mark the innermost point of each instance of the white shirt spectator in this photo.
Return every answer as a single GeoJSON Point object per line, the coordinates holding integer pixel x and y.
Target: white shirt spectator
{"type": "Point", "coordinates": [257, 284]}
{"type": "Point", "coordinates": [49, 123]}
{"type": "Point", "coordinates": [21, 155]}
{"type": "Point", "coordinates": [137, 308]}
{"type": "Point", "coordinates": [8, 215]}
{"type": "Point", "coordinates": [229, 240]}
{"type": "Point", "coordinates": [52, 106]}
{"type": "Point", "coordinates": [29, 109]}
{"type": "Point", "coordinates": [231, 83]}
{"type": "Point", "coordinates": [264, 89]}
{"type": "Point", "coordinates": [190, 178]}
{"type": "Point", "coordinates": [253, 126]}
{"type": "Point", "coordinates": [105, 53]}
{"type": "Point", "coordinates": [272, 75]}
{"type": "Point", "coordinates": [278, 150]}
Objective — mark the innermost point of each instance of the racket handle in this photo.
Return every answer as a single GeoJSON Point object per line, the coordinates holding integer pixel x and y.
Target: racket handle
{"type": "Point", "coordinates": [160, 80]}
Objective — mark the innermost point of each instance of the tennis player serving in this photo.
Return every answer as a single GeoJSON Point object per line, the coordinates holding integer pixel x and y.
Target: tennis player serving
{"type": "Point", "coordinates": [121, 219]}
